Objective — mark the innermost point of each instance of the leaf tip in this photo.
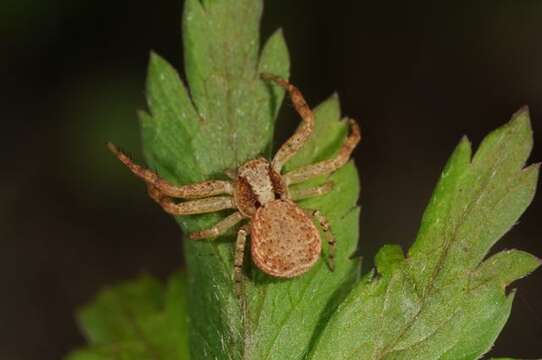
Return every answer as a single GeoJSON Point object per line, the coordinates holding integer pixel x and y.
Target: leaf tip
{"type": "Point", "coordinates": [516, 263]}
{"type": "Point", "coordinates": [465, 141]}
{"type": "Point", "coordinates": [523, 111]}
{"type": "Point", "coordinates": [463, 151]}
{"type": "Point", "coordinates": [388, 257]}
{"type": "Point", "coordinates": [278, 36]}
{"type": "Point", "coordinates": [274, 56]}
{"type": "Point", "coordinates": [525, 264]}
{"type": "Point", "coordinates": [522, 119]}
{"type": "Point", "coordinates": [155, 59]}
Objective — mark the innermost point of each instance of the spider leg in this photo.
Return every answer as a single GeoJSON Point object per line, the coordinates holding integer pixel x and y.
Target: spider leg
{"type": "Point", "coordinates": [231, 173]}
{"type": "Point", "coordinates": [240, 245]}
{"type": "Point", "coordinates": [327, 166]}
{"type": "Point", "coordinates": [300, 194]}
{"type": "Point", "coordinates": [303, 132]}
{"type": "Point", "coordinates": [199, 206]}
{"type": "Point", "coordinates": [191, 191]}
{"type": "Point", "coordinates": [330, 238]}
{"type": "Point", "coordinates": [219, 228]}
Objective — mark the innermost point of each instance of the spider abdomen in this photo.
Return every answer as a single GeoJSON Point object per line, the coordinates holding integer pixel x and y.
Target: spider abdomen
{"type": "Point", "coordinates": [284, 240]}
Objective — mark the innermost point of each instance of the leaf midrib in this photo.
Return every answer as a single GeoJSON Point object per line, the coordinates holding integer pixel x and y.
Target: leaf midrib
{"type": "Point", "coordinates": [224, 70]}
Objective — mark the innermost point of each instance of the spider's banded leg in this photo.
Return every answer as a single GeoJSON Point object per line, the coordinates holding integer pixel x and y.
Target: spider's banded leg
{"type": "Point", "coordinates": [240, 245]}
{"type": "Point", "coordinates": [192, 207]}
{"type": "Point", "coordinates": [219, 228]}
{"type": "Point", "coordinates": [191, 191]}
{"type": "Point", "coordinates": [327, 166]}
{"type": "Point", "coordinates": [299, 194]}
{"type": "Point", "coordinates": [303, 132]}
{"type": "Point", "coordinates": [330, 238]}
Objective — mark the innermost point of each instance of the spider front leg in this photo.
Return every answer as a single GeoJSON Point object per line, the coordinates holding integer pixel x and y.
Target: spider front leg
{"type": "Point", "coordinates": [219, 229]}
{"type": "Point", "coordinates": [300, 194]}
{"type": "Point", "coordinates": [199, 206]}
{"type": "Point", "coordinates": [330, 238]}
{"type": "Point", "coordinates": [327, 166]}
{"type": "Point", "coordinates": [191, 191]}
{"type": "Point", "coordinates": [303, 132]}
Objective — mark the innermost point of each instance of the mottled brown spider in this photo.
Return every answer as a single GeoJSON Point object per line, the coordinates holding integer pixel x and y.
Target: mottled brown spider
{"type": "Point", "coordinates": [284, 240]}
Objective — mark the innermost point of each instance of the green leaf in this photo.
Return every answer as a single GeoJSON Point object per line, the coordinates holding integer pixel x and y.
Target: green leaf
{"type": "Point", "coordinates": [236, 109]}
{"type": "Point", "coordinates": [216, 313]}
{"type": "Point", "coordinates": [440, 301]}
{"type": "Point", "coordinates": [139, 319]}
{"type": "Point", "coordinates": [228, 119]}
{"type": "Point", "coordinates": [443, 300]}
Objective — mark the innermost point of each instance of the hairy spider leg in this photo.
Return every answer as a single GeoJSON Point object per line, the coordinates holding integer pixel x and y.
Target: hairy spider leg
{"type": "Point", "coordinates": [330, 165]}
{"type": "Point", "coordinates": [303, 132]}
{"type": "Point", "coordinates": [240, 245]}
{"type": "Point", "coordinates": [218, 229]}
{"type": "Point", "coordinates": [190, 191]}
{"type": "Point", "coordinates": [300, 194]}
{"type": "Point", "coordinates": [192, 207]}
{"type": "Point", "coordinates": [330, 238]}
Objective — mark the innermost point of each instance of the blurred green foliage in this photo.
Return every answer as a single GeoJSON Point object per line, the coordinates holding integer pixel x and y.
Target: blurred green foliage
{"type": "Point", "coordinates": [139, 319]}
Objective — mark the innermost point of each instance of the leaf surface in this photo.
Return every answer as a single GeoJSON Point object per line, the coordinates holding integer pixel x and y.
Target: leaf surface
{"type": "Point", "coordinates": [225, 118]}
{"type": "Point", "coordinates": [443, 300]}
{"type": "Point", "coordinates": [139, 319]}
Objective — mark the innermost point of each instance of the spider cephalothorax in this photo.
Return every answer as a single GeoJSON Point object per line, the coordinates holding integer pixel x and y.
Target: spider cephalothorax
{"type": "Point", "coordinates": [255, 185]}
{"type": "Point", "coordinates": [284, 239]}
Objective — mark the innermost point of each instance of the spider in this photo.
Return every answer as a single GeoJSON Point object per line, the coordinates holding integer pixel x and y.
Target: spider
{"type": "Point", "coordinates": [284, 239]}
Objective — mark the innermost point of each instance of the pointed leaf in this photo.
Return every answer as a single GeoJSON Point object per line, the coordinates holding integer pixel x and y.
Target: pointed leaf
{"type": "Point", "coordinates": [440, 302]}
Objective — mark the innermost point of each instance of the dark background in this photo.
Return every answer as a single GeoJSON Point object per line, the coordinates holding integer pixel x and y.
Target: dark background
{"type": "Point", "coordinates": [418, 75]}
